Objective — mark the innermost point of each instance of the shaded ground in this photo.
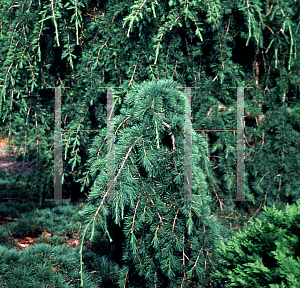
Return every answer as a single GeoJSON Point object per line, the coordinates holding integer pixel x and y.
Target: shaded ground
{"type": "Point", "coordinates": [6, 159]}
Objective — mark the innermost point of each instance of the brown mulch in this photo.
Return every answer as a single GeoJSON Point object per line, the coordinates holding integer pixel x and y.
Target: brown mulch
{"type": "Point", "coordinates": [14, 167]}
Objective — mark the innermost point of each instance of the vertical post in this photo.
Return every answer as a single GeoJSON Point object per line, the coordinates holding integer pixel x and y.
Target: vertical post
{"type": "Point", "coordinates": [58, 168]}
{"type": "Point", "coordinates": [110, 143]}
{"type": "Point", "coordinates": [240, 190]}
{"type": "Point", "coordinates": [187, 146]}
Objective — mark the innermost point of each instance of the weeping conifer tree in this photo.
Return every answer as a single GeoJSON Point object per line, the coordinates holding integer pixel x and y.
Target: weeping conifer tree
{"type": "Point", "coordinates": [169, 239]}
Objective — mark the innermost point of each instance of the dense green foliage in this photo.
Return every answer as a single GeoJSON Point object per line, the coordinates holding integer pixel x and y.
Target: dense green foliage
{"type": "Point", "coordinates": [265, 253]}
{"type": "Point", "coordinates": [168, 241]}
{"type": "Point", "coordinates": [210, 44]}
{"type": "Point", "coordinates": [51, 261]}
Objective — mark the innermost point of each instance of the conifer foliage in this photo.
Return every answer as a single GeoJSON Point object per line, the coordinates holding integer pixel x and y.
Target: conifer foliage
{"type": "Point", "coordinates": [168, 241]}
{"type": "Point", "coordinates": [211, 44]}
{"type": "Point", "coordinates": [264, 254]}
{"type": "Point", "coordinates": [207, 44]}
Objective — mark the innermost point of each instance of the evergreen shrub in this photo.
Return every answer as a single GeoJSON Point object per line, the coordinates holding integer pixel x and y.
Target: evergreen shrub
{"type": "Point", "coordinates": [264, 253]}
{"type": "Point", "coordinates": [168, 242]}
